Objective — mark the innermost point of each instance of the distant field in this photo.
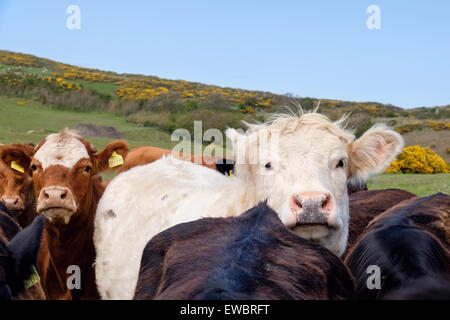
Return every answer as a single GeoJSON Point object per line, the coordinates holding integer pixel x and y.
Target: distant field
{"type": "Point", "coordinates": [419, 184]}
{"type": "Point", "coordinates": [102, 87]}
{"type": "Point", "coordinates": [16, 120]}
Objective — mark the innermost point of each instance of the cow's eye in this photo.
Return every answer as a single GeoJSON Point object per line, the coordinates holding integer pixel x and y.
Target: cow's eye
{"type": "Point", "coordinates": [268, 165]}
{"type": "Point", "coordinates": [87, 169]}
{"type": "Point", "coordinates": [34, 167]}
{"type": "Point", "coordinates": [340, 164]}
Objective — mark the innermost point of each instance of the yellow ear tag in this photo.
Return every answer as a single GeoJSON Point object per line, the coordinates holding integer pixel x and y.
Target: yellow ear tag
{"type": "Point", "coordinates": [230, 174]}
{"type": "Point", "coordinates": [115, 160]}
{"type": "Point", "coordinates": [17, 167]}
{"type": "Point", "coordinates": [34, 278]}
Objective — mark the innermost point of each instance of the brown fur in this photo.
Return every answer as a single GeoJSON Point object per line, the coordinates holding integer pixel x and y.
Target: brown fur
{"type": "Point", "coordinates": [71, 244]}
{"type": "Point", "coordinates": [366, 205]}
{"type": "Point", "coordinates": [16, 184]}
{"type": "Point", "coordinates": [8, 227]}
{"type": "Point", "coordinates": [355, 188]}
{"type": "Point", "coordinates": [143, 155]}
{"type": "Point", "coordinates": [252, 256]}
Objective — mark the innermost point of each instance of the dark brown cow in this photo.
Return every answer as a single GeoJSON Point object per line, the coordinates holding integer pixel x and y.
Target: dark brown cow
{"type": "Point", "coordinates": [18, 255]}
{"type": "Point", "coordinates": [366, 205]}
{"type": "Point", "coordinates": [409, 243]}
{"type": "Point", "coordinates": [16, 183]}
{"type": "Point", "coordinates": [430, 213]}
{"type": "Point", "coordinates": [351, 188]}
{"type": "Point", "coordinates": [252, 256]}
{"type": "Point", "coordinates": [68, 188]}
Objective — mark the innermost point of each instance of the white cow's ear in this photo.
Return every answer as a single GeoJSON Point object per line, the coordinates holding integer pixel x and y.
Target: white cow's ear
{"type": "Point", "coordinates": [373, 152]}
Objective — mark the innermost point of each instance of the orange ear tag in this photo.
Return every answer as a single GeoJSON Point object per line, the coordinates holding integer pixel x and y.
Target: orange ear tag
{"type": "Point", "coordinates": [17, 167]}
{"type": "Point", "coordinates": [115, 160]}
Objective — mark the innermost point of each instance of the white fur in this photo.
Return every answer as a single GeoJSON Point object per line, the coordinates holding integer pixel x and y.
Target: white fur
{"type": "Point", "coordinates": [144, 201]}
{"type": "Point", "coordinates": [63, 149]}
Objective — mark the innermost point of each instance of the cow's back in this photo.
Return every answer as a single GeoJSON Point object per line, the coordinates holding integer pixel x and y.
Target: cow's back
{"type": "Point", "coordinates": [252, 256]}
{"type": "Point", "coordinates": [408, 244]}
{"type": "Point", "coordinates": [366, 205]}
{"type": "Point", "coordinates": [142, 202]}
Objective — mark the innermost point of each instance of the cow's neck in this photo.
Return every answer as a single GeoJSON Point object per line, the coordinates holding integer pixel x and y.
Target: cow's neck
{"type": "Point", "coordinates": [241, 196]}
{"type": "Point", "coordinates": [72, 244]}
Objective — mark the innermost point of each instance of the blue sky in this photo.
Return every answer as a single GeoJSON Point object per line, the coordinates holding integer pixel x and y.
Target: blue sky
{"type": "Point", "coordinates": [317, 49]}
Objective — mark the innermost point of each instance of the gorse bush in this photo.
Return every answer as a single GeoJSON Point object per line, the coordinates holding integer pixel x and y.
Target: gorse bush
{"type": "Point", "coordinates": [416, 159]}
{"type": "Point", "coordinates": [435, 125]}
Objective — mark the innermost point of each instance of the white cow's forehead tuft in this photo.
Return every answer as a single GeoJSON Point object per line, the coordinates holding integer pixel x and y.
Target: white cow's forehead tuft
{"type": "Point", "coordinates": [63, 149]}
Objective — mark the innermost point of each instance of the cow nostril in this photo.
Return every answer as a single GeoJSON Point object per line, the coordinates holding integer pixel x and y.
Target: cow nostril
{"type": "Point", "coordinates": [324, 203]}
{"type": "Point", "coordinates": [63, 195]}
{"type": "Point", "coordinates": [16, 201]}
{"type": "Point", "coordinates": [46, 196]}
{"type": "Point", "coordinates": [298, 204]}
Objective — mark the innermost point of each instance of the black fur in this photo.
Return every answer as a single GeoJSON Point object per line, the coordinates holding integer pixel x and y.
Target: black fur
{"type": "Point", "coordinates": [225, 168]}
{"type": "Point", "coordinates": [252, 256]}
{"type": "Point", "coordinates": [4, 209]}
{"type": "Point", "coordinates": [18, 257]}
{"type": "Point", "coordinates": [410, 258]}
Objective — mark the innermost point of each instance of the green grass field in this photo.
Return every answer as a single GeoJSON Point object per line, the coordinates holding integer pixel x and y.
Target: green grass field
{"type": "Point", "coordinates": [419, 184]}
{"type": "Point", "coordinates": [102, 87]}
{"type": "Point", "coordinates": [16, 120]}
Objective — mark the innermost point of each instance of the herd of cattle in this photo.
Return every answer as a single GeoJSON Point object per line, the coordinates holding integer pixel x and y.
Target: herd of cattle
{"type": "Point", "coordinates": [291, 225]}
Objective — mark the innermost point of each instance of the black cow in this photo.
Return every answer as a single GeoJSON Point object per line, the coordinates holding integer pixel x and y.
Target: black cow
{"type": "Point", "coordinates": [18, 254]}
{"type": "Point", "coordinates": [252, 256]}
{"type": "Point", "coordinates": [405, 244]}
{"type": "Point", "coordinates": [225, 166]}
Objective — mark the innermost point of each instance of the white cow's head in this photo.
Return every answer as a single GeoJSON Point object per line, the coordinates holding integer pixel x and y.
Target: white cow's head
{"type": "Point", "coordinates": [301, 165]}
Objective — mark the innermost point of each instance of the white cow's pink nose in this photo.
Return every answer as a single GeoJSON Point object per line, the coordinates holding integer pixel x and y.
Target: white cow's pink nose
{"type": "Point", "coordinates": [311, 207]}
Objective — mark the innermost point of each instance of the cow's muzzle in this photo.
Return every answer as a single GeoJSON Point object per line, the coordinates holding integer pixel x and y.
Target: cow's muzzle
{"type": "Point", "coordinates": [14, 204]}
{"type": "Point", "coordinates": [311, 208]}
{"type": "Point", "coordinates": [57, 204]}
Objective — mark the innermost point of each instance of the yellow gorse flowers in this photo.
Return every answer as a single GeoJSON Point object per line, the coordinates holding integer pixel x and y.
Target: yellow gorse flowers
{"type": "Point", "coordinates": [416, 159]}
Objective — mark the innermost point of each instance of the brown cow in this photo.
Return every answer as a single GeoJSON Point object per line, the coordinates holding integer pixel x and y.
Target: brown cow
{"type": "Point", "coordinates": [253, 256]}
{"type": "Point", "coordinates": [366, 205]}
{"type": "Point", "coordinates": [143, 155]}
{"type": "Point", "coordinates": [67, 186]}
{"type": "Point", "coordinates": [409, 245]}
{"type": "Point", "coordinates": [18, 255]}
{"type": "Point", "coordinates": [16, 183]}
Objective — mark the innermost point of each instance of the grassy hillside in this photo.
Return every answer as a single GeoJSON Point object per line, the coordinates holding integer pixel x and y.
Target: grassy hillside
{"type": "Point", "coordinates": [18, 119]}
{"type": "Point", "coordinates": [39, 96]}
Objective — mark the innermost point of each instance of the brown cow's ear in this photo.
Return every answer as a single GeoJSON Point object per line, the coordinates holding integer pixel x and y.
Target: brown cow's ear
{"type": "Point", "coordinates": [17, 156]}
{"type": "Point", "coordinates": [112, 156]}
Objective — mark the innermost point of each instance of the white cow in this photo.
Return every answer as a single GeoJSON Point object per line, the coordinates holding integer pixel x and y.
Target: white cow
{"type": "Point", "coordinates": [302, 167]}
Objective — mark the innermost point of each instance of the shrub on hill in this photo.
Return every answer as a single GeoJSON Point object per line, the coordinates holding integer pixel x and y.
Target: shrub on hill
{"type": "Point", "coordinates": [416, 159]}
